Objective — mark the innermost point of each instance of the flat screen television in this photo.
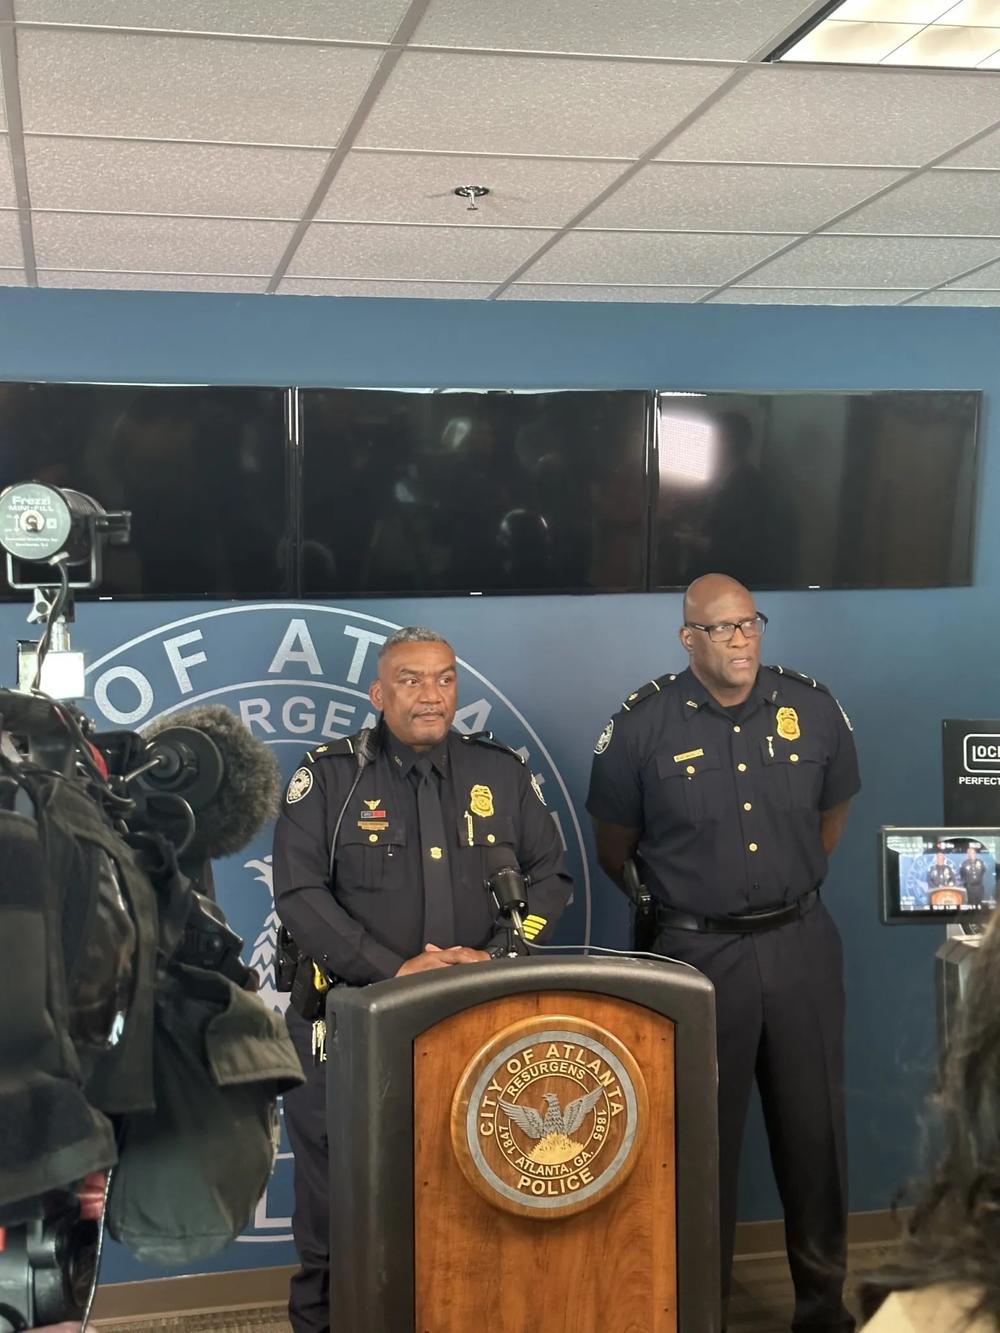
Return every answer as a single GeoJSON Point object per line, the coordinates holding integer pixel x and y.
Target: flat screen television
{"type": "Point", "coordinates": [937, 874]}
{"type": "Point", "coordinates": [202, 469]}
{"type": "Point", "coordinates": [816, 490]}
{"type": "Point", "coordinates": [468, 492]}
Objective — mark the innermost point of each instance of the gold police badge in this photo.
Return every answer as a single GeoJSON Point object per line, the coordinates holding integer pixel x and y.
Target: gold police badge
{"type": "Point", "coordinates": [788, 724]}
{"type": "Point", "coordinates": [549, 1117]}
{"type": "Point", "coordinates": [481, 801]}
{"type": "Point", "coordinates": [299, 786]}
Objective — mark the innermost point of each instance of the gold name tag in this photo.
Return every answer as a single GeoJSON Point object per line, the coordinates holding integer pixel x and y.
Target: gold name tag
{"type": "Point", "coordinates": [688, 754]}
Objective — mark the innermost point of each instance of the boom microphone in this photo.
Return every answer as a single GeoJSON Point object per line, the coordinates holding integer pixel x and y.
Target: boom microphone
{"type": "Point", "coordinates": [229, 778]}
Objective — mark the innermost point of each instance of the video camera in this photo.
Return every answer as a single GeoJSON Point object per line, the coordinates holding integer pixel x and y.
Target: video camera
{"type": "Point", "coordinates": [138, 1071]}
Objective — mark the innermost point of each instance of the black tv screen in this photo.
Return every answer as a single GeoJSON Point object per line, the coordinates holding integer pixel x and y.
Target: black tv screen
{"type": "Point", "coordinates": [465, 492]}
{"type": "Point", "coordinates": [816, 490]}
{"type": "Point", "coordinates": [202, 470]}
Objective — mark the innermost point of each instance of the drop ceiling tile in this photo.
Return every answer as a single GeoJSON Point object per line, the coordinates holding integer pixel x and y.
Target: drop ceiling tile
{"type": "Point", "coordinates": [988, 276]}
{"type": "Point", "coordinates": [120, 242]}
{"type": "Point", "coordinates": [811, 296]}
{"type": "Point", "coordinates": [12, 277]}
{"type": "Point", "coordinates": [888, 117]}
{"type": "Point", "coordinates": [419, 187]}
{"type": "Point", "coordinates": [118, 176]}
{"type": "Point", "coordinates": [11, 255]}
{"type": "Point", "coordinates": [613, 258]}
{"type": "Point", "coordinates": [465, 254]}
{"type": "Point", "coordinates": [516, 105]}
{"type": "Point", "coordinates": [568, 291]}
{"type": "Point", "coordinates": [715, 29]}
{"type": "Point", "coordinates": [3, 108]}
{"type": "Point", "coordinates": [709, 197]}
{"type": "Point", "coordinates": [188, 87]}
{"type": "Point", "coordinates": [938, 203]}
{"type": "Point", "coordinates": [984, 153]}
{"type": "Point", "coordinates": [953, 296]}
{"type": "Point", "coordinates": [8, 197]}
{"type": "Point", "coordinates": [334, 20]}
{"type": "Point", "coordinates": [874, 261]}
{"type": "Point", "coordinates": [150, 282]}
{"type": "Point", "coordinates": [445, 291]}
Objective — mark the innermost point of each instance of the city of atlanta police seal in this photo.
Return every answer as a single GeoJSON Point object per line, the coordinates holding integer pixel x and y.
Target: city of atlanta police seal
{"type": "Point", "coordinates": [549, 1117]}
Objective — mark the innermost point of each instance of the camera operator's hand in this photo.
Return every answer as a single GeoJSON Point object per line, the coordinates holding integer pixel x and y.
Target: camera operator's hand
{"type": "Point", "coordinates": [433, 957]}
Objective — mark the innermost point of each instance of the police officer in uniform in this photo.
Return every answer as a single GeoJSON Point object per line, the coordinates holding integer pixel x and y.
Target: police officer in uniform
{"type": "Point", "coordinates": [941, 874]}
{"type": "Point", "coordinates": [972, 873]}
{"type": "Point", "coordinates": [426, 815]}
{"type": "Point", "coordinates": [730, 783]}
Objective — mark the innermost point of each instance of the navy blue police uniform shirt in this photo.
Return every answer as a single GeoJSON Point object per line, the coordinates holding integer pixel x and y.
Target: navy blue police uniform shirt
{"type": "Point", "coordinates": [727, 801]}
{"type": "Point", "coordinates": [369, 920]}
{"type": "Point", "coordinates": [940, 877]}
{"type": "Point", "coordinates": [972, 873]}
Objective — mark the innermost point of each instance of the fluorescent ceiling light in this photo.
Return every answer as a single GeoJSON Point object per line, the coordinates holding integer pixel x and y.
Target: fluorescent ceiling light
{"type": "Point", "coordinates": [940, 34]}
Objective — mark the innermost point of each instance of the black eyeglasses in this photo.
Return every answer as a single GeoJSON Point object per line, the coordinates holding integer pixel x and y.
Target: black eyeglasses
{"type": "Point", "coordinates": [723, 632]}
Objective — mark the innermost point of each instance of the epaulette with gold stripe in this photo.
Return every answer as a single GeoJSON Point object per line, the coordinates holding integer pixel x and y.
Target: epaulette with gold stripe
{"type": "Point", "coordinates": [486, 738]}
{"type": "Point", "coordinates": [646, 691]}
{"type": "Point", "coordinates": [332, 748]}
{"type": "Point", "coordinates": [798, 675]}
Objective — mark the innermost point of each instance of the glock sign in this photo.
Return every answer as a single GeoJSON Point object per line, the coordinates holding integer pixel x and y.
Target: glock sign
{"type": "Point", "coordinates": [982, 752]}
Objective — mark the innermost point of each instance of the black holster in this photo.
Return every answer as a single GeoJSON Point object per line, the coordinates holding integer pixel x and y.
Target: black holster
{"type": "Point", "coordinates": [286, 960]}
{"type": "Point", "coordinates": [306, 998]}
{"type": "Point", "coordinates": [644, 927]}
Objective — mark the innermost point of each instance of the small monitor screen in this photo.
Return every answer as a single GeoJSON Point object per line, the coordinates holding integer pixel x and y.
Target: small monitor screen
{"type": "Point", "coordinates": [938, 874]}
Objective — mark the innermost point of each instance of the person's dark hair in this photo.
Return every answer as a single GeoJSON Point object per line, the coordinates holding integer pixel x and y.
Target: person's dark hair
{"type": "Point", "coordinates": [953, 1235]}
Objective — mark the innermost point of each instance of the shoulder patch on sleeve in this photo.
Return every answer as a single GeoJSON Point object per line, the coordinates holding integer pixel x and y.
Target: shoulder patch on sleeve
{"type": "Point", "coordinates": [604, 739]}
{"type": "Point", "coordinates": [798, 675]}
{"type": "Point", "coordinates": [299, 786]}
{"type": "Point", "coordinates": [487, 738]}
{"type": "Point", "coordinates": [648, 690]}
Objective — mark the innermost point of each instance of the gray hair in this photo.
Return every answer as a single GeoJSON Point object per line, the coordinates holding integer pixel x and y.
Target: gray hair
{"type": "Point", "coordinates": [411, 634]}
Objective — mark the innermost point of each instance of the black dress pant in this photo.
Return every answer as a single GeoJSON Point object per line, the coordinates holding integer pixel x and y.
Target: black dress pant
{"type": "Point", "coordinates": [305, 1120]}
{"type": "Point", "coordinates": [780, 1019]}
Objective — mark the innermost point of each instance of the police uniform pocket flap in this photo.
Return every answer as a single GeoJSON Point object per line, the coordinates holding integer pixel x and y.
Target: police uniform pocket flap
{"type": "Point", "coordinates": [686, 763]}
{"type": "Point", "coordinates": [372, 833]}
{"type": "Point", "coordinates": [473, 832]}
{"type": "Point", "coordinates": [774, 750]}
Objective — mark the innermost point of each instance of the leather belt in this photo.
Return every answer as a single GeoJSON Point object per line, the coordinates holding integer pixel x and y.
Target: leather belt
{"type": "Point", "coordinates": [739, 923]}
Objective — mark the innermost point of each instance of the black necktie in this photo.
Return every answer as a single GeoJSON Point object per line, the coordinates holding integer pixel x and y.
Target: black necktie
{"type": "Point", "coordinates": [439, 913]}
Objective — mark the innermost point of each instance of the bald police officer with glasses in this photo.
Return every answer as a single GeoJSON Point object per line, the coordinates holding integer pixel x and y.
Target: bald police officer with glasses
{"type": "Point", "coordinates": [729, 784]}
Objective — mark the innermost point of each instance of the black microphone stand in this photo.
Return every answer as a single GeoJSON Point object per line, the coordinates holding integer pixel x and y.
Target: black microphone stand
{"type": "Point", "coordinates": [506, 889]}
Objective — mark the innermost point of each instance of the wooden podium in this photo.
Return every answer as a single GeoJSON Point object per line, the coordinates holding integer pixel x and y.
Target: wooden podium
{"type": "Point", "coordinates": [525, 1146]}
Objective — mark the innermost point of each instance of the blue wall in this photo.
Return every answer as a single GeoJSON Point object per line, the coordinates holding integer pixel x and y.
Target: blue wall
{"type": "Point", "coordinates": [899, 661]}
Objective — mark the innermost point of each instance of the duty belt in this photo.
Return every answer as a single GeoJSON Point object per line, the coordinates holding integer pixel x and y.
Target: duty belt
{"type": "Point", "coordinates": [739, 923]}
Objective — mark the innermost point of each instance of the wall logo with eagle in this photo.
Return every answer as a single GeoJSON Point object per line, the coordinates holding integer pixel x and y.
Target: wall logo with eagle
{"type": "Point", "coordinates": [549, 1117]}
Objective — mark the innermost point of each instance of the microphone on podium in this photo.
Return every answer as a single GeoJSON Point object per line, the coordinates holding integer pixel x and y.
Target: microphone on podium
{"type": "Point", "coordinates": [507, 888]}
